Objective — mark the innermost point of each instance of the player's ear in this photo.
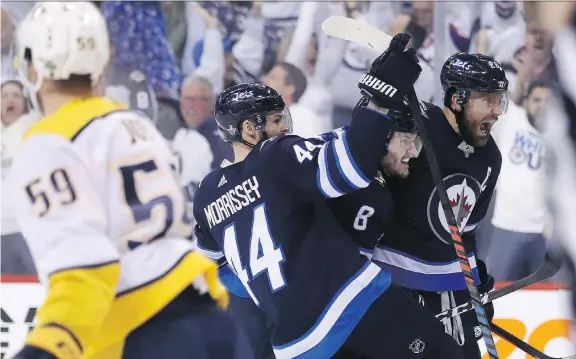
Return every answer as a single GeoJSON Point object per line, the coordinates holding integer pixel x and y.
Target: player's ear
{"type": "Point", "coordinates": [248, 128]}
{"type": "Point", "coordinates": [454, 103]}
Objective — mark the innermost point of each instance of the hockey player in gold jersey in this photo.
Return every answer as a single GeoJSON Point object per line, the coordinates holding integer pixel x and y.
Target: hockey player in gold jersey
{"type": "Point", "coordinates": [99, 203]}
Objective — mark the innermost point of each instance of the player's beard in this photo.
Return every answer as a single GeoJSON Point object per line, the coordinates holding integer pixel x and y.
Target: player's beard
{"type": "Point", "coordinates": [392, 166]}
{"type": "Point", "coordinates": [468, 130]}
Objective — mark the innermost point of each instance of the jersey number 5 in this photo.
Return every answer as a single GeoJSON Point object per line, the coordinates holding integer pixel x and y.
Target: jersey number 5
{"type": "Point", "coordinates": [143, 211]}
{"type": "Point", "coordinates": [264, 254]}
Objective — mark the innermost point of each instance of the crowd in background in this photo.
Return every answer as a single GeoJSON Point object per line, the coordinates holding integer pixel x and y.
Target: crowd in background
{"type": "Point", "coordinates": [171, 59]}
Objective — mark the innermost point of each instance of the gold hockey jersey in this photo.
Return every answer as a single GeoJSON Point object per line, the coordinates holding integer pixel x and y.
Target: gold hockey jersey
{"type": "Point", "coordinates": [99, 202]}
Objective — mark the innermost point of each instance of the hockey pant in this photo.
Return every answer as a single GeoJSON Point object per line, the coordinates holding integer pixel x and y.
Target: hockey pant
{"type": "Point", "coordinates": [463, 328]}
{"type": "Point", "coordinates": [190, 327]}
{"type": "Point", "coordinates": [397, 326]}
{"type": "Point", "coordinates": [253, 322]}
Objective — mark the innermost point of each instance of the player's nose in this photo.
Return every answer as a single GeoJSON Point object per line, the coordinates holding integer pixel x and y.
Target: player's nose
{"type": "Point", "coordinates": [498, 110]}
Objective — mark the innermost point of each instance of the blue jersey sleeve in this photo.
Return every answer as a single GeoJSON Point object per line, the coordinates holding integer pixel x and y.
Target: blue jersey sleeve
{"type": "Point", "coordinates": [332, 164]}
{"type": "Point", "coordinates": [205, 242]}
{"type": "Point", "coordinates": [208, 247]}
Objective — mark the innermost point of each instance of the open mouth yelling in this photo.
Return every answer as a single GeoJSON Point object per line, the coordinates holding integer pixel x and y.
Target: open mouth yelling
{"type": "Point", "coordinates": [486, 126]}
{"type": "Point", "coordinates": [10, 110]}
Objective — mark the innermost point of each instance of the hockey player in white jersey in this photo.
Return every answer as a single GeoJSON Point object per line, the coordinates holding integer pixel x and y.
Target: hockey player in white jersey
{"type": "Point", "coordinates": [101, 208]}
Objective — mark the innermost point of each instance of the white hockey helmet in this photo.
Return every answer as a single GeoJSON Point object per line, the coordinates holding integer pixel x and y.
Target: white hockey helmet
{"type": "Point", "coordinates": [64, 39]}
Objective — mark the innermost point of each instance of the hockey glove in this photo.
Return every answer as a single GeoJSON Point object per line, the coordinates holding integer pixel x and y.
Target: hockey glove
{"type": "Point", "coordinates": [392, 74]}
{"type": "Point", "coordinates": [485, 286]}
{"type": "Point", "coordinates": [29, 352]}
{"type": "Point", "coordinates": [50, 341]}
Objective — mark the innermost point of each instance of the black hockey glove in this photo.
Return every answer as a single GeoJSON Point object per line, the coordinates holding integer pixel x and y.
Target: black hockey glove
{"type": "Point", "coordinates": [392, 74]}
{"type": "Point", "coordinates": [30, 352]}
{"type": "Point", "coordinates": [485, 286]}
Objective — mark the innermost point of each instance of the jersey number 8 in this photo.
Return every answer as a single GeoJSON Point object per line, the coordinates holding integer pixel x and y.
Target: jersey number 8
{"type": "Point", "coordinates": [361, 220]}
{"type": "Point", "coordinates": [264, 254]}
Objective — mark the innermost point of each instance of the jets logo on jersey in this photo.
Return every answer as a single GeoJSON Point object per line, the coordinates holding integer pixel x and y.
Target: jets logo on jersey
{"type": "Point", "coordinates": [463, 191]}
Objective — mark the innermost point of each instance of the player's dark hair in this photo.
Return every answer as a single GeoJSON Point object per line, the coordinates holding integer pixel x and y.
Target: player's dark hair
{"type": "Point", "coordinates": [75, 83]}
{"type": "Point", "coordinates": [538, 84]}
{"type": "Point", "coordinates": [296, 78]}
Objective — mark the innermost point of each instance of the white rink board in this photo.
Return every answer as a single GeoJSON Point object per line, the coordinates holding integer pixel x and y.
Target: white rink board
{"type": "Point", "coordinates": [540, 312]}
{"type": "Point", "coordinates": [544, 314]}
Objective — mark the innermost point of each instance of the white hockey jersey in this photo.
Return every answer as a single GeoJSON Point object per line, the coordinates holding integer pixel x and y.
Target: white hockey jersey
{"type": "Point", "coordinates": [99, 202]}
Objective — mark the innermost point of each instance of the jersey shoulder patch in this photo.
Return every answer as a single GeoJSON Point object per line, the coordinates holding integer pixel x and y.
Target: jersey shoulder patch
{"type": "Point", "coordinates": [70, 120]}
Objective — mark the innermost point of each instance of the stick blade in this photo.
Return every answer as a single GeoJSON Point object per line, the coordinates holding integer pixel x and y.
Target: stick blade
{"type": "Point", "coordinates": [356, 31]}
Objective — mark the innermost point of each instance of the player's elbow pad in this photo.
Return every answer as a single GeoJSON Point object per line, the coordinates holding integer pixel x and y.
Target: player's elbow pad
{"type": "Point", "coordinates": [78, 301]}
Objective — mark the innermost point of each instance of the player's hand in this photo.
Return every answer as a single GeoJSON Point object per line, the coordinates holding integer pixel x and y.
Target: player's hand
{"type": "Point", "coordinates": [29, 352]}
{"type": "Point", "coordinates": [485, 286]}
{"type": "Point", "coordinates": [392, 74]}
{"type": "Point", "coordinates": [50, 341]}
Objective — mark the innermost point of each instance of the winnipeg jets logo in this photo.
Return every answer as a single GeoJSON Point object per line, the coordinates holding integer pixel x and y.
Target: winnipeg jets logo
{"type": "Point", "coordinates": [463, 191]}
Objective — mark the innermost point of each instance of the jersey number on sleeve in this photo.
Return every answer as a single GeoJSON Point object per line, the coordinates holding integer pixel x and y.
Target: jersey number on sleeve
{"type": "Point", "coordinates": [302, 154]}
{"type": "Point", "coordinates": [361, 220]}
{"type": "Point", "coordinates": [265, 256]}
{"type": "Point", "coordinates": [42, 193]}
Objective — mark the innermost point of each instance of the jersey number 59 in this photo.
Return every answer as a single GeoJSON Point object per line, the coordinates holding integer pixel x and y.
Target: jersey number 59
{"type": "Point", "coordinates": [264, 254]}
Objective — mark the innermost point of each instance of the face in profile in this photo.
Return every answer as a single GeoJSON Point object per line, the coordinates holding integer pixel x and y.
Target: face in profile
{"type": "Point", "coordinates": [13, 103]}
{"type": "Point", "coordinates": [480, 113]}
{"type": "Point", "coordinates": [402, 147]}
{"type": "Point", "coordinates": [278, 123]}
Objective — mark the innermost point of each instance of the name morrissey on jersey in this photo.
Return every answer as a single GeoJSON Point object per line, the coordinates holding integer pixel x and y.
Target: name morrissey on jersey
{"type": "Point", "coordinates": [232, 201]}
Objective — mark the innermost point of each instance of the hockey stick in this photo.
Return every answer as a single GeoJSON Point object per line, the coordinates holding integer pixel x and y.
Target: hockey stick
{"type": "Point", "coordinates": [522, 345]}
{"type": "Point", "coordinates": [550, 266]}
{"type": "Point", "coordinates": [369, 36]}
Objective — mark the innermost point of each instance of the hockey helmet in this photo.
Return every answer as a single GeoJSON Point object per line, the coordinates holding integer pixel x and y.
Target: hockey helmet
{"type": "Point", "coordinates": [62, 39]}
{"type": "Point", "coordinates": [403, 120]}
{"type": "Point", "coordinates": [463, 73]}
{"type": "Point", "coordinates": [250, 101]}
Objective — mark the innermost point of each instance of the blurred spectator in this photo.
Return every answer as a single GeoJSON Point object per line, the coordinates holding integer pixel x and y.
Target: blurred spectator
{"type": "Point", "coordinates": [14, 104]}
{"type": "Point", "coordinates": [499, 20]}
{"type": "Point", "coordinates": [197, 107]}
{"type": "Point", "coordinates": [534, 61]}
{"type": "Point", "coordinates": [212, 56]}
{"type": "Point", "coordinates": [423, 16]}
{"type": "Point", "coordinates": [131, 89]}
{"type": "Point", "coordinates": [169, 118]}
{"type": "Point", "coordinates": [291, 83]}
{"type": "Point", "coordinates": [300, 48]}
{"type": "Point", "coordinates": [138, 32]}
{"type": "Point", "coordinates": [7, 36]}
{"type": "Point", "coordinates": [195, 160]}
{"type": "Point", "coordinates": [176, 27]}
{"type": "Point", "coordinates": [503, 28]}
{"type": "Point", "coordinates": [517, 246]}
{"type": "Point", "coordinates": [16, 119]}
{"type": "Point", "coordinates": [12, 12]}
{"type": "Point", "coordinates": [229, 18]}
{"type": "Point", "coordinates": [520, 44]}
